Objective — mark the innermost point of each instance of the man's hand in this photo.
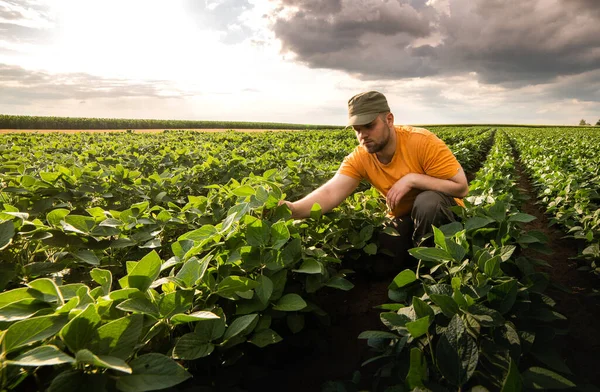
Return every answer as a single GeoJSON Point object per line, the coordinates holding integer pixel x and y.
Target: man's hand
{"type": "Point", "coordinates": [398, 191]}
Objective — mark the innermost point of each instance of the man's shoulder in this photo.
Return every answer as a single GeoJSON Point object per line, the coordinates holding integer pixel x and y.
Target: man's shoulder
{"type": "Point", "coordinates": [410, 131]}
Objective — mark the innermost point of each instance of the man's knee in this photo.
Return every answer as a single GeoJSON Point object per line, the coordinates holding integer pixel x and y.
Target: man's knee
{"type": "Point", "coordinates": [427, 203]}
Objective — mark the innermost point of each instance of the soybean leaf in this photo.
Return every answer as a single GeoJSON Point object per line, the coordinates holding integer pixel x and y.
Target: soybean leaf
{"type": "Point", "coordinates": [417, 373]}
{"type": "Point", "coordinates": [191, 346]}
{"type": "Point", "coordinates": [280, 234]}
{"type": "Point", "coordinates": [32, 330]}
{"type": "Point", "coordinates": [73, 380]}
{"type": "Point", "coordinates": [103, 278]}
{"type": "Point", "coordinates": [540, 378]}
{"type": "Point", "coordinates": [430, 254]}
{"type": "Point", "coordinates": [42, 356]}
{"type": "Point", "coordinates": [404, 278]}
{"type": "Point", "coordinates": [310, 266]}
{"type": "Point", "coordinates": [209, 330]}
{"type": "Point", "coordinates": [145, 271]}
{"type": "Point", "coordinates": [103, 361]}
{"type": "Point", "coordinates": [193, 317]}
{"type": "Point", "coordinates": [456, 353]}
{"type": "Point", "coordinates": [118, 338]}
{"type": "Point", "coordinates": [7, 231]}
{"type": "Point", "coordinates": [231, 284]}
{"type": "Point", "coordinates": [264, 289]}
{"type": "Point", "coordinates": [265, 337]}
{"type": "Point", "coordinates": [79, 332]}
{"type": "Point", "coordinates": [418, 327]}
{"type": "Point", "coordinates": [151, 372]}
{"type": "Point", "coordinates": [241, 326]}
{"type": "Point", "coordinates": [290, 303]}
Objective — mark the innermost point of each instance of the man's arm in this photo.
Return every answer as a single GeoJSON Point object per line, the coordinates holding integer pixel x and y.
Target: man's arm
{"type": "Point", "coordinates": [455, 186]}
{"type": "Point", "coordinates": [328, 196]}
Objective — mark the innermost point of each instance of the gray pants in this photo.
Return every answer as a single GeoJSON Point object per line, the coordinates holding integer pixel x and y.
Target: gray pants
{"type": "Point", "coordinates": [430, 208]}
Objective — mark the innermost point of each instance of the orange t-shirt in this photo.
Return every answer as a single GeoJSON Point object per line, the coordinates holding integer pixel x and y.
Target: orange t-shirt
{"type": "Point", "coordinates": [417, 151]}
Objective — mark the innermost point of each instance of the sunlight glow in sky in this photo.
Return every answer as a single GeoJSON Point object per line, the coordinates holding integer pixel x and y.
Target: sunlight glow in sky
{"type": "Point", "coordinates": [296, 60]}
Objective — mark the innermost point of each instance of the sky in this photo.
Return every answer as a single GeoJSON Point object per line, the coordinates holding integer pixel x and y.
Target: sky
{"type": "Point", "coordinates": [299, 61]}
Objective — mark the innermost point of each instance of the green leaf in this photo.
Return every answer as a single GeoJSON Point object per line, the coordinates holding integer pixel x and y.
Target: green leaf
{"type": "Point", "coordinates": [540, 378]}
{"type": "Point", "coordinates": [503, 296]}
{"type": "Point", "coordinates": [280, 234]}
{"type": "Point", "coordinates": [145, 272]}
{"type": "Point", "coordinates": [456, 353]}
{"type": "Point", "coordinates": [241, 326]}
{"type": "Point", "coordinates": [118, 338]}
{"type": "Point", "coordinates": [7, 231]}
{"type": "Point", "coordinates": [521, 217]}
{"type": "Point", "coordinates": [191, 346]}
{"type": "Point", "coordinates": [512, 382]}
{"type": "Point", "coordinates": [492, 267]}
{"type": "Point", "coordinates": [79, 332]}
{"type": "Point", "coordinates": [378, 335]}
{"type": "Point", "coordinates": [264, 289]}
{"type": "Point", "coordinates": [487, 317]}
{"type": "Point", "coordinates": [199, 235]}
{"type": "Point", "coordinates": [417, 373]}
{"type": "Point", "coordinates": [55, 216]}
{"type": "Point", "coordinates": [151, 372]}
{"type": "Point", "coordinates": [87, 256]}
{"type": "Point", "coordinates": [337, 282]}
{"type": "Point", "coordinates": [78, 223]}
{"type": "Point", "coordinates": [102, 361]}
{"type": "Point", "coordinates": [103, 278]}
{"type": "Point", "coordinates": [310, 266]}
{"type": "Point", "coordinates": [370, 249]}
{"type": "Point", "coordinates": [315, 211]}
{"type": "Point", "coordinates": [243, 191]}
{"type": "Point", "coordinates": [42, 356]}
{"type": "Point", "coordinates": [228, 286]}
{"type": "Point", "coordinates": [265, 337]}
{"type": "Point", "coordinates": [439, 238]}
{"type": "Point", "coordinates": [179, 301]}
{"type": "Point", "coordinates": [477, 222]}
{"type": "Point", "coordinates": [20, 310]}
{"type": "Point", "coordinates": [139, 305]}
{"type": "Point", "coordinates": [430, 254]}
{"type": "Point", "coordinates": [448, 306]}
{"type": "Point", "coordinates": [422, 309]}
{"type": "Point", "coordinates": [290, 303]}
{"type": "Point", "coordinates": [404, 278]}
{"type": "Point", "coordinates": [418, 327]}
{"type": "Point", "coordinates": [209, 330]}
{"type": "Point", "coordinates": [19, 294]}
{"type": "Point", "coordinates": [193, 317]}
{"type": "Point", "coordinates": [32, 330]}
{"type": "Point", "coordinates": [258, 233]}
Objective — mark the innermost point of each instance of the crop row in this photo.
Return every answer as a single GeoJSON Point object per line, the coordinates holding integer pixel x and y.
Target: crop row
{"type": "Point", "coordinates": [565, 173]}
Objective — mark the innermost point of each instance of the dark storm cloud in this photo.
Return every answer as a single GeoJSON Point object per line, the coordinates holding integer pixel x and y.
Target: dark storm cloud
{"type": "Point", "coordinates": [508, 43]}
{"type": "Point", "coordinates": [22, 86]}
{"type": "Point", "coordinates": [222, 16]}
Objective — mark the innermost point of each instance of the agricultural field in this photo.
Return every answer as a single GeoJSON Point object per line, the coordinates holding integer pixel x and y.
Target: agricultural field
{"type": "Point", "coordinates": [145, 261]}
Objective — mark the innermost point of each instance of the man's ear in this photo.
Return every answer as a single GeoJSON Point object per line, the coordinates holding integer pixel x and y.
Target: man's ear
{"type": "Point", "coordinates": [389, 118]}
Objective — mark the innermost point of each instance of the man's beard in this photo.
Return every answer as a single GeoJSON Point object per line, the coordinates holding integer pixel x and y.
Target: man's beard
{"type": "Point", "coordinates": [374, 148]}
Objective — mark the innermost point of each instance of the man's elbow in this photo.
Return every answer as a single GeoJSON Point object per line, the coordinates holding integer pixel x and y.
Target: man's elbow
{"type": "Point", "coordinates": [464, 191]}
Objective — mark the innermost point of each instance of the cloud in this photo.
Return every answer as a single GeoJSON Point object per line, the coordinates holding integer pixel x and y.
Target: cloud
{"type": "Point", "coordinates": [223, 16]}
{"type": "Point", "coordinates": [23, 86]}
{"type": "Point", "coordinates": [505, 43]}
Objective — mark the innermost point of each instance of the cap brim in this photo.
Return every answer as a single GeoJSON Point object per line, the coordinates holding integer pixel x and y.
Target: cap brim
{"type": "Point", "coordinates": [362, 119]}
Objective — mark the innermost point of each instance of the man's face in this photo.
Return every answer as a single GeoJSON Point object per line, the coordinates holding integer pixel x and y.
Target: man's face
{"type": "Point", "coordinates": [373, 136]}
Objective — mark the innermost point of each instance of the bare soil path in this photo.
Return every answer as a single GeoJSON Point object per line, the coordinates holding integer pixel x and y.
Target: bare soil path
{"type": "Point", "coordinates": [574, 297]}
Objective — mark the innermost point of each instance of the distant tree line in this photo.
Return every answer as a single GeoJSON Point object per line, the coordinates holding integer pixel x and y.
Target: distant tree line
{"type": "Point", "coordinates": [585, 123]}
{"type": "Point", "coordinates": [48, 122]}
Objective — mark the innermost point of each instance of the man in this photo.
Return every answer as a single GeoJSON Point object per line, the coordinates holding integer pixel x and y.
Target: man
{"type": "Point", "coordinates": [415, 171]}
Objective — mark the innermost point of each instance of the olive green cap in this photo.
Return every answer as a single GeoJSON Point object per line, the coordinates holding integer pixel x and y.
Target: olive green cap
{"type": "Point", "coordinates": [365, 107]}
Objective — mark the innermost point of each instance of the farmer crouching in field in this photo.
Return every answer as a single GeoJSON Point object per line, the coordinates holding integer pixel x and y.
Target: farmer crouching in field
{"type": "Point", "coordinates": [415, 171]}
